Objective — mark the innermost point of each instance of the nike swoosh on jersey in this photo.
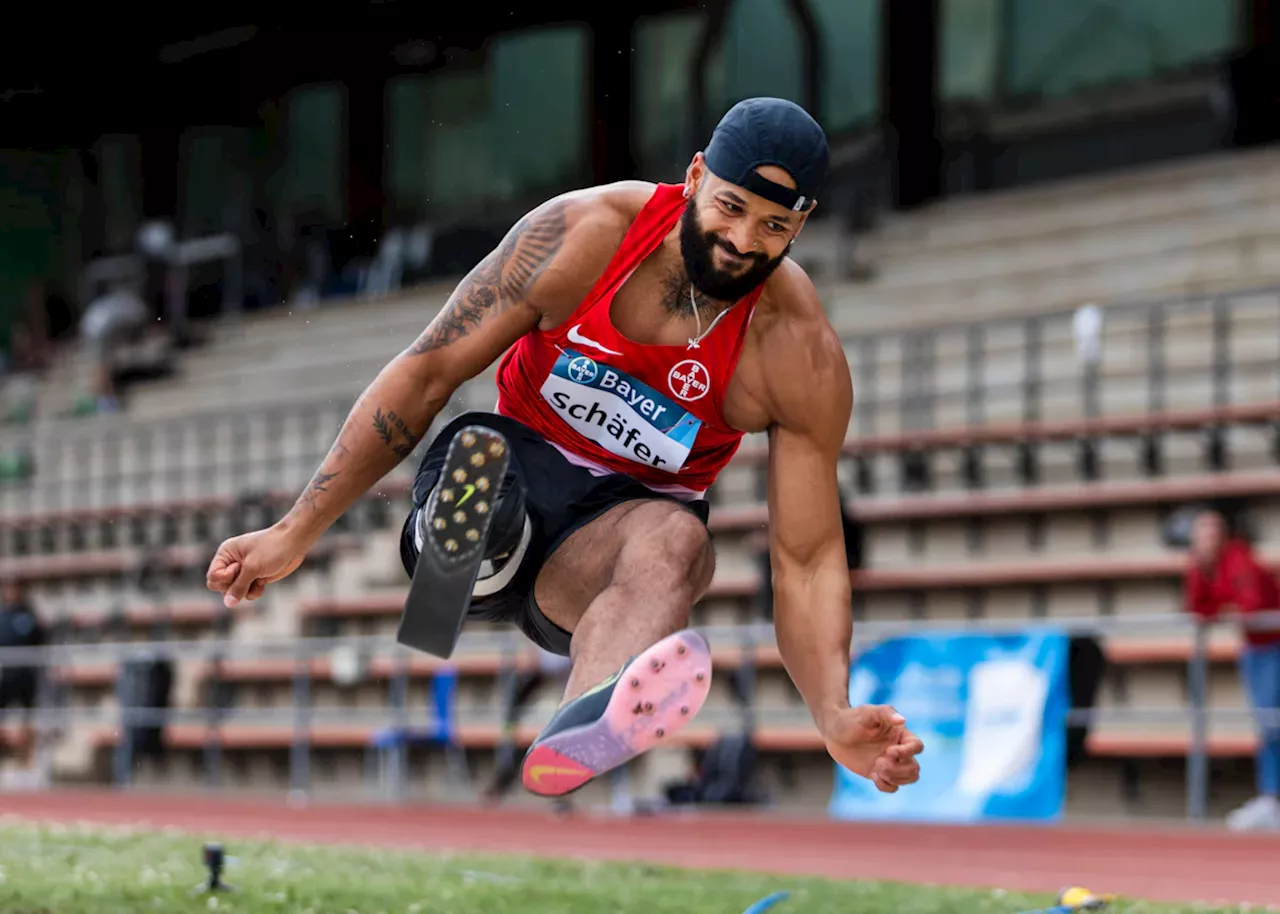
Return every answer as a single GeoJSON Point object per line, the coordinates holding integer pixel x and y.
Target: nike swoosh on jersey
{"type": "Point", "coordinates": [576, 337]}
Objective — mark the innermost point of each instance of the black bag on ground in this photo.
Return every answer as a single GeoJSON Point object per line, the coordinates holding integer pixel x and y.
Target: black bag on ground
{"type": "Point", "coordinates": [148, 684]}
{"type": "Point", "coordinates": [724, 775]}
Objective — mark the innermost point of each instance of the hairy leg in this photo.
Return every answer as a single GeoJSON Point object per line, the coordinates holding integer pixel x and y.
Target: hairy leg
{"type": "Point", "coordinates": [623, 582]}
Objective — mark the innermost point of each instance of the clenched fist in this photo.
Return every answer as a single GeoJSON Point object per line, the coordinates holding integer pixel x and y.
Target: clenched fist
{"type": "Point", "coordinates": [244, 565]}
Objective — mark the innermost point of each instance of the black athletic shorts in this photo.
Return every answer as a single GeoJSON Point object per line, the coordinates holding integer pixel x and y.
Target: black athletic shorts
{"type": "Point", "coordinates": [559, 498]}
{"type": "Point", "coordinates": [18, 688]}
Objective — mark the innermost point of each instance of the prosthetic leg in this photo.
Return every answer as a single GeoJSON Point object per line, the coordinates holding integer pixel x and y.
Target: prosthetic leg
{"type": "Point", "coordinates": [472, 523]}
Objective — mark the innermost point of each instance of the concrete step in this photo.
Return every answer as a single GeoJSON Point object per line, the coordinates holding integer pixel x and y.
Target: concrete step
{"type": "Point", "coordinates": [1165, 188]}
{"type": "Point", "coordinates": [1252, 218]}
{"type": "Point", "coordinates": [1214, 268]}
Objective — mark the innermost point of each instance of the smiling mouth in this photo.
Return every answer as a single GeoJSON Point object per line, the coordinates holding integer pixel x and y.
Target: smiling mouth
{"type": "Point", "coordinates": [735, 257]}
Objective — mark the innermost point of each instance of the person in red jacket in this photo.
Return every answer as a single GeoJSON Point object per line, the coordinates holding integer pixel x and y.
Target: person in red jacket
{"type": "Point", "coordinates": [1223, 574]}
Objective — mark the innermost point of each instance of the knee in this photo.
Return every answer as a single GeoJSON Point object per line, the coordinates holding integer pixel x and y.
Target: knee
{"type": "Point", "coordinates": [675, 543]}
{"type": "Point", "coordinates": [682, 539]}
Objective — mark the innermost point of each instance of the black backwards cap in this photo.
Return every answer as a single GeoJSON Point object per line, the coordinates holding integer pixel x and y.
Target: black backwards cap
{"type": "Point", "coordinates": [770, 131]}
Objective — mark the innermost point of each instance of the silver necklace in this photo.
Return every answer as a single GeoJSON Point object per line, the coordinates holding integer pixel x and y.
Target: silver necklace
{"type": "Point", "coordinates": [695, 342]}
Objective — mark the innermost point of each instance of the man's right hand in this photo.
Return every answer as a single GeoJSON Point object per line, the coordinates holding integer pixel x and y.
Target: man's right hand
{"type": "Point", "coordinates": [244, 565]}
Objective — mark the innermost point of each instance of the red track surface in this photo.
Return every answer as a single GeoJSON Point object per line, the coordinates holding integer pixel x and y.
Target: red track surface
{"type": "Point", "coordinates": [1159, 863]}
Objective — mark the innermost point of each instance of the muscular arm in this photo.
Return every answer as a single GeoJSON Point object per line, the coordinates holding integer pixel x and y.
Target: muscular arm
{"type": "Point", "coordinates": [811, 405]}
{"type": "Point", "coordinates": [499, 301]}
{"type": "Point", "coordinates": [809, 399]}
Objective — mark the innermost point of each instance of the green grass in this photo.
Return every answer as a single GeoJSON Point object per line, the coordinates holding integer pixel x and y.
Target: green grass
{"type": "Point", "coordinates": [82, 870]}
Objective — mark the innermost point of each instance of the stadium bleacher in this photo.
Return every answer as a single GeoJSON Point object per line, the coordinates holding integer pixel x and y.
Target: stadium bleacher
{"type": "Point", "coordinates": [990, 488]}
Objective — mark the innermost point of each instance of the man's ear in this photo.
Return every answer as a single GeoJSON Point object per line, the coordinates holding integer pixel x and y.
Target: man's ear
{"type": "Point", "coordinates": [694, 174]}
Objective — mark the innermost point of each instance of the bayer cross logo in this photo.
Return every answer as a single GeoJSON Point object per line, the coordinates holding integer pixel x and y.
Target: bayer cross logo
{"type": "Point", "coordinates": [689, 380]}
{"type": "Point", "coordinates": [583, 370]}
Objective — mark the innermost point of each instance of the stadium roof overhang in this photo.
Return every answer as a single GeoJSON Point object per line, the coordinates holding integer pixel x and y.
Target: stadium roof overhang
{"type": "Point", "coordinates": [64, 79]}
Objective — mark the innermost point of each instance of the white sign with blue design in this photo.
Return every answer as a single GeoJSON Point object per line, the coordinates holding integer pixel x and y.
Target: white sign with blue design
{"type": "Point", "coordinates": [992, 712]}
{"type": "Point", "coordinates": [624, 416]}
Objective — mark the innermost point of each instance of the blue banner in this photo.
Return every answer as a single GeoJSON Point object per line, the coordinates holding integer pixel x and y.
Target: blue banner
{"type": "Point", "coordinates": [992, 711]}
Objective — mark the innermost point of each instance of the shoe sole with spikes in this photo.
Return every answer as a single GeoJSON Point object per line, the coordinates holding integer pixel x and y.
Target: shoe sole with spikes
{"type": "Point", "coordinates": [653, 697]}
{"type": "Point", "coordinates": [458, 516]}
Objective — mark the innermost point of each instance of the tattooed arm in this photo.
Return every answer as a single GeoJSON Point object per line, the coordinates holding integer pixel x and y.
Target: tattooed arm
{"type": "Point", "coordinates": [493, 306]}
{"type": "Point", "coordinates": [536, 267]}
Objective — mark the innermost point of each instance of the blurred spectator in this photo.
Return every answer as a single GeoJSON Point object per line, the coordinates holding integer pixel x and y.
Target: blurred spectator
{"type": "Point", "coordinates": [31, 333]}
{"type": "Point", "coordinates": [117, 318]}
{"type": "Point", "coordinates": [1224, 573]}
{"type": "Point", "coordinates": [31, 352]}
{"type": "Point", "coordinates": [19, 627]}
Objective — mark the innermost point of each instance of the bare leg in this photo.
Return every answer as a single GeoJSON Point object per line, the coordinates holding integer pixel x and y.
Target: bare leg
{"type": "Point", "coordinates": [624, 582]}
{"type": "Point", "coordinates": [623, 585]}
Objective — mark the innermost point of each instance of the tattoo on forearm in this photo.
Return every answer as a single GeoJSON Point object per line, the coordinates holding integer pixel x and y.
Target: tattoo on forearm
{"type": "Point", "coordinates": [503, 279]}
{"type": "Point", "coordinates": [319, 483]}
{"type": "Point", "coordinates": [394, 433]}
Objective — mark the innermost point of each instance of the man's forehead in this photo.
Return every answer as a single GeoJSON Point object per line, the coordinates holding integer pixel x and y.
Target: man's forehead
{"type": "Point", "coordinates": [744, 197]}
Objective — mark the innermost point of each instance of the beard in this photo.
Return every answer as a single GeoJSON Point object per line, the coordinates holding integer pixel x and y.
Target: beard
{"type": "Point", "coordinates": [698, 249]}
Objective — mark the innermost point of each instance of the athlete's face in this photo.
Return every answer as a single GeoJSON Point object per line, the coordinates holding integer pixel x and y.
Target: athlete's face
{"type": "Point", "coordinates": [1208, 533]}
{"type": "Point", "coordinates": [731, 239]}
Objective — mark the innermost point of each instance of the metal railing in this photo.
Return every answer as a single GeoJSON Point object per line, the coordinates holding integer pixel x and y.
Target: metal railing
{"type": "Point", "coordinates": [1016, 368]}
{"type": "Point", "coordinates": [105, 463]}
{"type": "Point", "coordinates": [301, 713]}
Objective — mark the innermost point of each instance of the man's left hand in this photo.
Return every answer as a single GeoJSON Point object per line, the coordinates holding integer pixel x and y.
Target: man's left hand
{"type": "Point", "coordinates": [874, 742]}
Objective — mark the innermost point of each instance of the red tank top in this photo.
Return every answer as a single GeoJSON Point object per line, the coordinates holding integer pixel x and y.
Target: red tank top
{"type": "Point", "coordinates": [655, 413]}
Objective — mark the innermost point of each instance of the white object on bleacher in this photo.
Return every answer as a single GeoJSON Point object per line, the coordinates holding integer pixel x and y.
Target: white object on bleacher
{"type": "Point", "coordinates": [347, 665]}
{"type": "Point", "coordinates": [1087, 328]}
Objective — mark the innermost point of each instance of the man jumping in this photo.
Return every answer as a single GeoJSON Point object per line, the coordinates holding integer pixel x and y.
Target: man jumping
{"type": "Point", "coordinates": [640, 330]}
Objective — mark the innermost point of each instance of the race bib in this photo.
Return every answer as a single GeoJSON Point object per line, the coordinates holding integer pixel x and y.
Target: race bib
{"type": "Point", "coordinates": [624, 416]}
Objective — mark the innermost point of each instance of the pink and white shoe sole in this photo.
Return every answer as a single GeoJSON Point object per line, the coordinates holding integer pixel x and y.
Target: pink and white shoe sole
{"type": "Point", "coordinates": [655, 695]}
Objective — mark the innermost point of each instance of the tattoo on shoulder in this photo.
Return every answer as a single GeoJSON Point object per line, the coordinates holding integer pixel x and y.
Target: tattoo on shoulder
{"type": "Point", "coordinates": [394, 432]}
{"type": "Point", "coordinates": [501, 280]}
{"type": "Point", "coordinates": [528, 249]}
